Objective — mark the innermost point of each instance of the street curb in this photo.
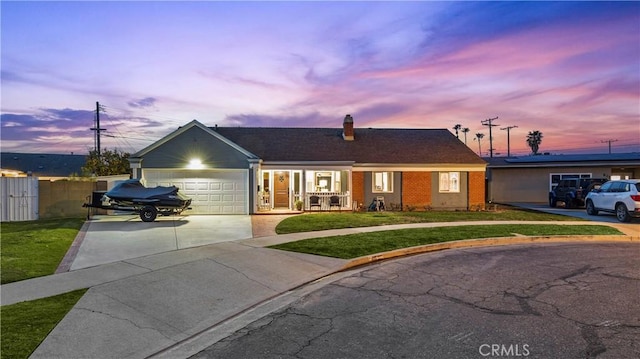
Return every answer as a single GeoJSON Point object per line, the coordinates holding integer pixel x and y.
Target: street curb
{"type": "Point", "coordinates": [483, 242]}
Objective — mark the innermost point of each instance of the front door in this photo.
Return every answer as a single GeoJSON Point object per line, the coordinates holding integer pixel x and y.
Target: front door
{"type": "Point", "coordinates": [281, 189]}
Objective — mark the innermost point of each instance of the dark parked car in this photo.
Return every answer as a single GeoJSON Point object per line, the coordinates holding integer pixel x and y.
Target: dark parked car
{"type": "Point", "coordinates": [573, 191]}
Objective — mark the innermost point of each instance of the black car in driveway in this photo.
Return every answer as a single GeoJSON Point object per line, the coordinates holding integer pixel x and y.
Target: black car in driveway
{"type": "Point", "coordinates": [572, 191]}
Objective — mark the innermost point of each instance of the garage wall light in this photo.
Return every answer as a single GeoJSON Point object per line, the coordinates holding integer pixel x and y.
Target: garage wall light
{"type": "Point", "coordinates": [195, 164]}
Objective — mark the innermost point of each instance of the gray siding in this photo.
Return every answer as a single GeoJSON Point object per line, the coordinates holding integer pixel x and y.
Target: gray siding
{"type": "Point", "coordinates": [394, 197]}
{"type": "Point", "coordinates": [450, 201]}
{"type": "Point", "coordinates": [530, 184]}
{"type": "Point", "coordinates": [195, 143]}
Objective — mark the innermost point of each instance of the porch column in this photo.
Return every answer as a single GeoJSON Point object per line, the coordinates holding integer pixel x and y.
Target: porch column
{"type": "Point", "coordinates": [303, 189]}
{"type": "Point", "coordinates": [253, 182]}
{"type": "Point", "coordinates": [350, 204]}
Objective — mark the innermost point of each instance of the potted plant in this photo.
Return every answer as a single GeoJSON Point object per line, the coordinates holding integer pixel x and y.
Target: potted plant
{"type": "Point", "coordinates": [298, 205]}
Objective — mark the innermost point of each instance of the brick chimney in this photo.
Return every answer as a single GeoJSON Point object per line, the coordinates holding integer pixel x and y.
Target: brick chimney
{"type": "Point", "coordinates": [347, 128]}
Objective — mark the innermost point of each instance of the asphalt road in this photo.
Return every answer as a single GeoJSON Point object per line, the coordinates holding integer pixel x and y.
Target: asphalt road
{"type": "Point", "coordinates": [534, 301]}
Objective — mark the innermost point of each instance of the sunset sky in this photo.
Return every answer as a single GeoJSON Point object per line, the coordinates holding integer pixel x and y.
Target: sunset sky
{"type": "Point", "coordinates": [570, 70]}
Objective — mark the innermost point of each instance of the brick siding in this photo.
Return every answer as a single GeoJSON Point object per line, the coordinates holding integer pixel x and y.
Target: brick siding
{"type": "Point", "coordinates": [357, 179]}
{"type": "Point", "coordinates": [476, 190]}
{"type": "Point", "coordinates": [416, 189]}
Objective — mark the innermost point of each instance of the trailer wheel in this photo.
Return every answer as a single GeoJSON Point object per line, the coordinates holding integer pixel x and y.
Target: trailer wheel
{"type": "Point", "coordinates": [148, 213]}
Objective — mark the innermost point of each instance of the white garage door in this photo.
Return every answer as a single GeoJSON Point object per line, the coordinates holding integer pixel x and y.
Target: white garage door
{"type": "Point", "coordinates": [211, 191]}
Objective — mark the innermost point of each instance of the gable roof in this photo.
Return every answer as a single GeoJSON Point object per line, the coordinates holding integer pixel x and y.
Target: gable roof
{"type": "Point", "coordinates": [43, 164]}
{"type": "Point", "coordinates": [370, 146]}
{"type": "Point", "coordinates": [182, 130]}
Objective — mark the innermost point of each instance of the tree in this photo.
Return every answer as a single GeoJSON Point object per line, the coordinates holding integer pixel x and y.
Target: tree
{"type": "Point", "coordinates": [106, 163]}
{"type": "Point", "coordinates": [465, 130]}
{"type": "Point", "coordinates": [534, 138]}
{"type": "Point", "coordinates": [479, 137]}
{"type": "Point", "coordinates": [457, 127]}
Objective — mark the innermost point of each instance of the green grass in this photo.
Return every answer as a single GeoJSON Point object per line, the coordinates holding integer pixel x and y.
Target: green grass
{"type": "Point", "coordinates": [35, 248]}
{"type": "Point", "coordinates": [25, 325]}
{"type": "Point", "coordinates": [357, 245]}
{"type": "Point", "coordinates": [324, 221]}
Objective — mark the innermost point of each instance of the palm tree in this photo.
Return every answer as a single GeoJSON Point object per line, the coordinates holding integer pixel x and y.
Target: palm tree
{"type": "Point", "coordinates": [479, 137]}
{"type": "Point", "coordinates": [457, 127]}
{"type": "Point", "coordinates": [534, 138]}
{"type": "Point", "coordinates": [465, 130]}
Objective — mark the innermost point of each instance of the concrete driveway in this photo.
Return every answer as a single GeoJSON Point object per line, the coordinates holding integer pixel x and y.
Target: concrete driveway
{"type": "Point", "coordinates": [107, 239]}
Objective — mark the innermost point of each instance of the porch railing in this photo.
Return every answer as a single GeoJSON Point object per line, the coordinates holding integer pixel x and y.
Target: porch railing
{"type": "Point", "coordinates": [324, 202]}
{"type": "Point", "coordinates": [295, 197]}
{"type": "Point", "coordinates": [263, 201]}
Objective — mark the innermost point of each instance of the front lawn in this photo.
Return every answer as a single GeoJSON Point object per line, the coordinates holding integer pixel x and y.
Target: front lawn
{"type": "Point", "coordinates": [361, 244]}
{"type": "Point", "coordinates": [35, 248]}
{"type": "Point", "coordinates": [323, 221]}
{"type": "Point", "coordinates": [25, 325]}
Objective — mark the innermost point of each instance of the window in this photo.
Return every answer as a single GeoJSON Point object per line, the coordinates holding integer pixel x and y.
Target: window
{"type": "Point", "coordinates": [554, 178]}
{"type": "Point", "coordinates": [606, 187]}
{"type": "Point", "coordinates": [326, 181]}
{"type": "Point", "coordinates": [449, 182]}
{"type": "Point", "coordinates": [382, 182]}
{"type": "Point", "coordinates": [619, 187]}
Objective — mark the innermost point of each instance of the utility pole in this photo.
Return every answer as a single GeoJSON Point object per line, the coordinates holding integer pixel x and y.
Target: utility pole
{"type": "Point", "coordinates": [97, 127]}
{"type": "Point", "coordinates": [508, 128]}
{"type": "Point", "coordinates": [489, 122]}
{"type": "Point", "coordinates": [609, 141]}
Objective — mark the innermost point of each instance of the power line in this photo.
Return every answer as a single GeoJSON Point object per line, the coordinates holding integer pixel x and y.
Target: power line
{"type": "Point", "coordinates": [175, 121]}
{"type": "Point", "coordinates": [489, 122]}
{"type": "Point", "coordinates": [121, 118]}
{"type": "Point", "coordinates": [97, 127]}
{"type": "Point", "coordinates": [131, 138]}
{"type": "Point", "coordinates": [609, 141]}
{"type": "Point", "coordinates": [508, 128]}
{"type": "Point", "coordinates": [126, 143]}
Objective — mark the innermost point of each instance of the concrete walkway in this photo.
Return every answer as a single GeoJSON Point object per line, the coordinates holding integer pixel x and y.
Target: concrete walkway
{"type": "Point", "coordinates": [168, 304]}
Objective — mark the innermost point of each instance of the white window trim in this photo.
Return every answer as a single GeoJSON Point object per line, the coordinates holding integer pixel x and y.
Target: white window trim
{"type": "Point", "coordinates": [373, 182]}
{"type": "Point", "coordinates": [449, 182]}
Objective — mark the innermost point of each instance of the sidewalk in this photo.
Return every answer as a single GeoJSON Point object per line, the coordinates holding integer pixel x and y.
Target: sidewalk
{"type": "Point", "coordinates": [139, 307]}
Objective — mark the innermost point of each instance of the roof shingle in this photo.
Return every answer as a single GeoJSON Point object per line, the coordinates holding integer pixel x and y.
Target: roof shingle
{"type": "Point", "coordinates": [43, 165]}
{"type": "Point", "coordinates": [383, 146]}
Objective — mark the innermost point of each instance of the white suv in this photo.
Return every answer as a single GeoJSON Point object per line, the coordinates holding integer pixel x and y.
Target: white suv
{"type": "Point", "coordinates": [621, 197]}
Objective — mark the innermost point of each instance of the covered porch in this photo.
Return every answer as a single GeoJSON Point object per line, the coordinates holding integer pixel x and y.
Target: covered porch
{"type": "Point", "coordinates": [303, 189]}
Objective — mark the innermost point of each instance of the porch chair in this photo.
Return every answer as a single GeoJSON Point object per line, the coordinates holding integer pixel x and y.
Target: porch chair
{"type": "Point", "coordinates": [334, 201]}
{"type": "Point", "coordinates": [314, 201]}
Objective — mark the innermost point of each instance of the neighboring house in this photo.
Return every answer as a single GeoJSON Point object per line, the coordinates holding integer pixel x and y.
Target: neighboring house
{"type": "Point", "coordinates": [242, 170]}
{"type": "Point", "coordinates": [44, 166]}
{"type": "Point", "coordinates": [531, 178]}
{"type": "Point", "coordinates": [36, 186]}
